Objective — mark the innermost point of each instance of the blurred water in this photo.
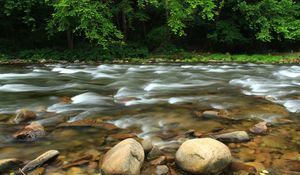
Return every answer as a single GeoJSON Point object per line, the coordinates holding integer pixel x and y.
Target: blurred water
{"type": "Point", "coordinates": [154, 98]}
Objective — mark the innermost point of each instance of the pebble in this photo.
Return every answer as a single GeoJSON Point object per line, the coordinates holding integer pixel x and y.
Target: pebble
{"type": "Point", "coordinates": [147, 145]}
{"type": "Point", "coordinates": [162, 170]}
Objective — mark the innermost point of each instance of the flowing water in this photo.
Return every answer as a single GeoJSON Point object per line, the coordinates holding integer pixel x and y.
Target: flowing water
{"type": "Point", "coordinates": [157, 102]}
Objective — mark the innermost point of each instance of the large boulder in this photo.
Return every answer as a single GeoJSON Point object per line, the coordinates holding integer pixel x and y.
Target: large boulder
{"type": "Point", "coordinates": [125, 158]}
{"type": "Point", "coordinates": [203, 156]}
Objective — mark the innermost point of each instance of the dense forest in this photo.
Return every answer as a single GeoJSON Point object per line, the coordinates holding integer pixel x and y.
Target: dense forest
{"type": "Point", "coordinates": [149, 26]}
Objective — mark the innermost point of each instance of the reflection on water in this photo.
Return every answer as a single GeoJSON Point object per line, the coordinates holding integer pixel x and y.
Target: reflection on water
{"type": "Point", "coordinates": [155, 101]}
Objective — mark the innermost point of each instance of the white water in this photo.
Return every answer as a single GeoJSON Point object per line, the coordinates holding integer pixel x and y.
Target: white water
{"type": "Point", "coordinates": [109, 89]}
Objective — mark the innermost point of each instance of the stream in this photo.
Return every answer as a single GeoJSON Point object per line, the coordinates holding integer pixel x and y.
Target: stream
{"type": "Point", "coordinates": [157, 102]}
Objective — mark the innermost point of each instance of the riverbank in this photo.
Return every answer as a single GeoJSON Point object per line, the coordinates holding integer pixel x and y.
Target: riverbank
{"type": "Point", "coordinates": [184, 57]}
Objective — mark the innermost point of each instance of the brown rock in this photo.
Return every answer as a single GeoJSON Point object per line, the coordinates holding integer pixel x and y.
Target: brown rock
{"type": "Point", "coordinates": [246, 154]}
{"type": "Point", "coordinates": [233, 137]}
{"type": "Point", "coordinates": [258, 166]}
{"type": "Point", "coordinates": [291, 156]}
{"type": "Point", "coordinates": [38, 171]}
{"type": "Point", "coordinates": [90, 123]}
{"type": "Point", "coordinates": [66, 99]}
{"type": "Point", "coordinates": [31, 132]}
{"type": "Point", "coordinates": [75, 171]}
{"type": "Point", "coordinates": [24, 115]}
{"type": "Point", "coordinates": [154, 153]}
{"type": "Point", "coordinates": [80, 161]}
{"type": "Point", "coordinates": [172, 171]}
{"type": "Point", "coordinates": [122, 136]}
{"type": "Point", "coordinates": [240, 166]}
{"type": "Point", "coordinates": [159, 161]}
{"type": "Point", "coordinates": [264, 158]}
{"type": "Point", "coordinates": [193, 133]}
{"type": "Point", "coordinates": [287, 165]}
{"type": "Point", "coordinates": [259, 128]}
{"type": "Point", "coordinates": [210, 114]}
{"type": "Point", "coordinates": [170, 159]}
{"type": "Point", "coordinates": [7, 165]}
{"type": "Point", "coordinates": [189, 133]}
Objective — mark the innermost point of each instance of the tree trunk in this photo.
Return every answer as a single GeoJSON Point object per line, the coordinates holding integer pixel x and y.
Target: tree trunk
{"type": "Point", "coordinates": [167, 18]}
{"type": "Point", "coordinates": [124, 23]}
{"type": "Point", "coordinates": [70, 40]}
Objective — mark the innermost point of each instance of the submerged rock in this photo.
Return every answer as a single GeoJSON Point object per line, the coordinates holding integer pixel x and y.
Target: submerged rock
{"type": "Point", "coordinates": [122, 136]}
{"type": "Point", "coordinates": [154, 153]}
{"type": "Point", "coordinates": [240, 166]}
{"type": "Point", "coordinates": [90, 123]}
{"type": "Point", "coordinates": [24, 115]}
{"type": "Point", "coordinates": [147, 145]}
{"type": "Point", "coordinates": [39, 161]}
{"type": "Point", "coordinates": [30, 132]}
{"type": "Point", "coordinates": [159, 161]}
{"type": "Point", "coordinates": [203, 156]}
{"type": "Point", "coordinates": [125, 158]}
{"type": "Point", "coordinates": [234, 137]}
{"type": "Point", "coordinates": [211, 114]}
{"type": "Point", "coordinates": [7, 165]}
{"type": "Point", "coordinates": [259, 128]}
{"type": "Point", "coordinates": [162, 170]}
{"type": "Point", "coordinates": [38, 171]}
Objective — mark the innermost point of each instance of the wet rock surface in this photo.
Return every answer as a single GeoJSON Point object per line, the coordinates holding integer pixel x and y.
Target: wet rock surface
{"type": "Point", "coordinates": [24, 115]}
{"type": "Point", "coordinates": [259, 128]}
{"type": "Point", "coordinates": [233, 137]}
{"type": "Point", "coordinates": [40, 160]}
{"type": "Point", "coordinates": [147, 145]}
{"type": "Point", "coordinates": [7, 165]}
{"type": "Point", "coordinates": [203, 156]}
{"type": "Point", "coordinates": [162, 170]}
{"type": "Point", "coordinates": [126, 158]}
{"type": "Point", "coordinates": [30, 132]}
{"type": "Point", "coordinates": [90, 123]}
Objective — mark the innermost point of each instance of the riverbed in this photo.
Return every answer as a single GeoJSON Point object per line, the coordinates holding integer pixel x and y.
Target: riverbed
{"type": "Point", "coordinates": [160, 102]}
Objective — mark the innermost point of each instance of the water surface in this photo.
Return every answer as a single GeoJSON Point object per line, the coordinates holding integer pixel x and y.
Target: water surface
{"type": "Point", "coordinates": [156, 102]}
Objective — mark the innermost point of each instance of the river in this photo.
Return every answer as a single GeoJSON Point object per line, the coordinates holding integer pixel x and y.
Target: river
{"type": "Point", "coordinates": [158, 102]}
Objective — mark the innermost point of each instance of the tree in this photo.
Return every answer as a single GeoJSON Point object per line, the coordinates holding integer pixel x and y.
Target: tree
{"type": "Point", "coordinates": [179, 13]}
{"type": "Point", "coordinates": [90, 18]}
{"type": "Point", "coordinates": [272, 19]}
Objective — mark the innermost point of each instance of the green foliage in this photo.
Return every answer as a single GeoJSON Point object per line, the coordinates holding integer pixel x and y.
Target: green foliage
{"type": "Point", "coordinates": [84, 54]}
{"type": "Point", "coordinates": [180, 12]}
{"type": "Point", "coordinates": [272, 19]}
{"type": "Point", "coordinates": [227, 31]}
{"type": "Point", "coordinates": [161, 27]}
{"type": "Point", "coordinates": [21, 6]}
{"type": "Point", "coordinates": [88, 17]}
